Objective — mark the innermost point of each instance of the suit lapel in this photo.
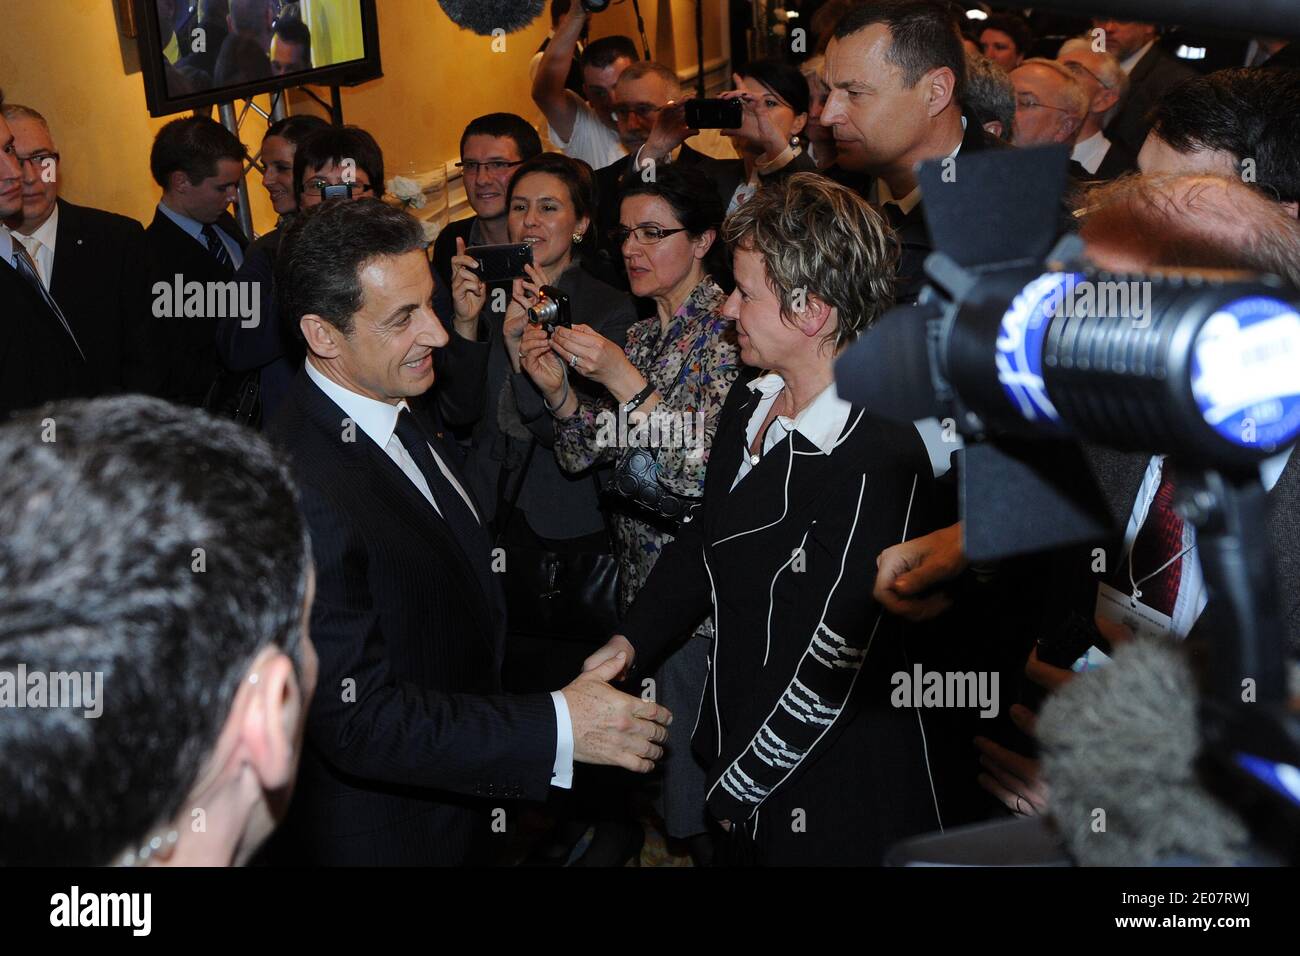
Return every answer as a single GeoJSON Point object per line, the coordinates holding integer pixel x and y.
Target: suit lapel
{"type": "Point", "coordinates": [390, 485]}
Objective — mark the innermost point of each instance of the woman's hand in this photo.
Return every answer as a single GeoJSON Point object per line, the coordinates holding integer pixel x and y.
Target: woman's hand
{"type": "Point", "coordinates": [541, 365]}
{"type": "Point", "coordinates": [588, 352]}
{"type": "Point", "coordinates": [769, 137]}
{"type": "Point", "coordinates": [524, 293]}
{"type": "Point", "coordinates": [468, 291]}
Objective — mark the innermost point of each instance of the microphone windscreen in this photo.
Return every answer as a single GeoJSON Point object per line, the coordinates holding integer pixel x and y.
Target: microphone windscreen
{"type": "Point", "coordinates": [484, 16]}
{"type": "Point", "coordinates": [1118, 749]}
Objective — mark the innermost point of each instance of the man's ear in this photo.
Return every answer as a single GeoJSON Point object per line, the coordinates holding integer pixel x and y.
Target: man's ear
{"type": "Point", "coordinates": [178, 181]}
{"type": "Point", "coordinates": [1292, 208]}
{"type": "Point", "coordinates": [322, 336]}
{"type": "Point", "coordinates": [268, 733]}
{"type": "Point", "coordinates": [994, 127]}
{"type": "Point", "coordinates": [812, 319]}
{"type": "Point", "coordinates": [940, 86]}
{"type": "Point", "coordinates": [1104, 100]}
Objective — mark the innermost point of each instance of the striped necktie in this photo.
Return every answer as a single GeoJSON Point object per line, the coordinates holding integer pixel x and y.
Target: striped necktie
{"type": "Point", "coordinates": [216, 248]}
{"type": "Point", "coordinates": [27, 269]}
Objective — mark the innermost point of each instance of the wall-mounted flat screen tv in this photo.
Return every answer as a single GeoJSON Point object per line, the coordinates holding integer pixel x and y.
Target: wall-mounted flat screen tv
{"type": "Point", "coordinates": [195, 53]}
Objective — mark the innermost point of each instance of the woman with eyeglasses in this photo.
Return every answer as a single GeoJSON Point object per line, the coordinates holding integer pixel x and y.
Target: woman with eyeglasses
{"type": "Point", "coordinates": [259, 349]}
{"type": "Point", "coordinates": [677, 366]}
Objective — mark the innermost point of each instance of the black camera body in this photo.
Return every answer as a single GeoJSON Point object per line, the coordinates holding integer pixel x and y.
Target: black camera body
{"type": "Point", "coordinates": [714, 113]}
{"type": "Point", "coordinates": [336, 191]}
{"type": "Point", "coordinates": [552, 310]}
{"type": "Point", "coordinates": [501, 263]}
{"type": "Point", "coordinates": [595, 6]}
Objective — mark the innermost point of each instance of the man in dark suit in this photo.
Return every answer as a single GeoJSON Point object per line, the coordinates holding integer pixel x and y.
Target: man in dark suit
{"type": "Point", "coordinates": [40, 357]}
{"type": "Point", "coordinates": [93, 263]}
{"type": "Point", "coordinates": [198, 164]}
{"type": "Point", "coordinates": [411, 745]}
{"type": "Point", "coordinates": [884, 128]}
{"type": "Point", "coordinates": [1151, 72]}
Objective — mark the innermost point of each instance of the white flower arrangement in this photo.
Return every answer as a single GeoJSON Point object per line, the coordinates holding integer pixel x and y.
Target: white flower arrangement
{"type": "Point", "coordinates": [408, 191]}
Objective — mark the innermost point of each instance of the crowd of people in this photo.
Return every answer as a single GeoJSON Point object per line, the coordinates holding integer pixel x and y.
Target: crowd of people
{"type": "Point", "coordinates": [310, 503]}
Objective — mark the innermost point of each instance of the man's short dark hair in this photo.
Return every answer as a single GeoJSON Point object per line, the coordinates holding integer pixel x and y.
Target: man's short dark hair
{"type": "Point", "coordinates": [924, 38]}
{"type": "Point", "coordinates": [318, 271]}
{"type": "Point", "coordinates": [1251, 113]}
{"type": "Point", "coordinates": [292, 30]}
{"type": "Point", "coordinates": [1013, 26]}
{"type": "Point", "coordinates": [101, 572]}
{"type": "Point", "coordinates": [335, 144]}
{"type": "Point", "coordinates": [509, 125]}
{"type": "Point", "coordinates": [193, 145]}
{"type": "Point", "coordinates": [599, 54]}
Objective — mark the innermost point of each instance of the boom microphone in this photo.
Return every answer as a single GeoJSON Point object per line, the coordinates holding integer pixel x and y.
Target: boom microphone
{"type": "Point", "coordinates": [484, 16]}
{"type": "Point", "coordinates": [1125, 740]}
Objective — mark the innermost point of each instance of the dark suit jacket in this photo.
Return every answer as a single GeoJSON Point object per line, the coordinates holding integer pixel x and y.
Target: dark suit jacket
{"type": "Point", "coordinates": [858, 768]}
{"type": "Point", "coordinates": [101, 281]}
{"type": "Point", "coordinates": [1153, 76]}
{"type": "Point", "coordinates": [1119, 159]}
{"type": "Point", "coordinates": [38, 361]}
{"type": "Point", "coordinates": [409, 739]}
{"type": "Point", "coordinates": [914, 234]}
{"type": "Point", "coordinates": [189, 344]}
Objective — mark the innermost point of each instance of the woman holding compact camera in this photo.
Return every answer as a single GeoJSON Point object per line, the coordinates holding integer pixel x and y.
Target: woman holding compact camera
{"type": "Point", "coordinates": [673, 373]}
{"type": "Point", "coordinates": [560, 574]}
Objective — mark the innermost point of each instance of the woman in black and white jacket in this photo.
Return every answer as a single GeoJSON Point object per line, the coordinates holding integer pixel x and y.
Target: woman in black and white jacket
{"type": "Point", "coordinates": [809, 761]}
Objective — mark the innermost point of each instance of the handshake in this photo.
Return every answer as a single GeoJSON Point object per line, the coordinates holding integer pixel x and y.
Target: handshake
{"type": "Point", "coordinates": [609, 726]}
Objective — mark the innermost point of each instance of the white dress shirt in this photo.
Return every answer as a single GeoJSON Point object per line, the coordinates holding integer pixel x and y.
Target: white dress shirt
{"type": "Point", "coordinates": [1089, 153]}
{"type": "Point", "coordinates": [40, 246]}
{"type": "Point", "coordinates": [194, 228]}
{"type": "Point", "coordinates": [378, 420]}
{"type": "Point", "coordinates": [821, 422]}
{"type": "Point", "coordinates": [1192, 596]}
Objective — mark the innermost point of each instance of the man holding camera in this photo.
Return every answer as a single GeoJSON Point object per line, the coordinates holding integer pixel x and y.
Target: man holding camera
{"type": "Point", "coordinates": [582, 130]}
{"type": "Point", "coordinates": [412, 747]}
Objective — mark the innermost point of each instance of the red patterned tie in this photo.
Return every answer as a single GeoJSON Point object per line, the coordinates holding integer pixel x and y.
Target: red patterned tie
{"type": "Point", "coordinates": [1158, 540]}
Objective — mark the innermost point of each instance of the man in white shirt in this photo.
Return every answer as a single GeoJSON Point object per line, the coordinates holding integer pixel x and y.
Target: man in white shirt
{"type": "Point", "coordinates": [410, 615]}
{"type": "Point", "coordinates": [1106, 84]}
{"type": "Point", "coordinates": [583, 130]}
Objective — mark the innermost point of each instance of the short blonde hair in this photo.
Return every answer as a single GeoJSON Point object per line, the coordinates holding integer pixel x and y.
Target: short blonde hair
{"type": "Point", "coordinates": [819, 238]}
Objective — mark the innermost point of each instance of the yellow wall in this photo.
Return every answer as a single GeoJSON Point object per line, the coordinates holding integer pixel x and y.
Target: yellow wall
{"type": "Point", "coordinates": [63, 57]}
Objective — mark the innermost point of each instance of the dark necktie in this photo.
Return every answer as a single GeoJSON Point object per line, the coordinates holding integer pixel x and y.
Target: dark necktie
{"type": "Point", "coordinates": [1158, 540]}
{"type": "Point", "coordinates": [464, 526]}
{"type": "Point", "coordinates": [27, 269]}
{"type": "Point", "coordinates": [216, 248]}
{"type": "Point", "coordinates": [893, 214]}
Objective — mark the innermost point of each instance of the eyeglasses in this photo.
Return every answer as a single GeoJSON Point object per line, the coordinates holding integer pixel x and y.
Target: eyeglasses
{"type": "Point", "coordinates": [1025, 101]}
{"type": "Point", "coordinates": [1076, 67]}
{"type": "Point", "coordinates": [36, 159]}
{"type": "Point", "coordinates": [646, 235]}
{"type": "Point", "coordinates": [472, 168]}
{"type": "Point", "coordinates": [643, 110]}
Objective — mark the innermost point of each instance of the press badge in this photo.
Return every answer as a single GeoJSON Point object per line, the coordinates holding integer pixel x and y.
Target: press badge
{"type": "Point", "coordinates": [1142, 621]}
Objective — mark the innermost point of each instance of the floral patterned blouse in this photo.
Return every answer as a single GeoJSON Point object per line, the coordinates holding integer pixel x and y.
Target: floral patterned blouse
{"type": "Point", "coordinates": [693, 365]}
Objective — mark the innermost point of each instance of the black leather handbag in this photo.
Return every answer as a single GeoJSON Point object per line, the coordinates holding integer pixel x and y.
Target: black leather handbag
{"type": "Point", "coordinates": [566, 596]}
